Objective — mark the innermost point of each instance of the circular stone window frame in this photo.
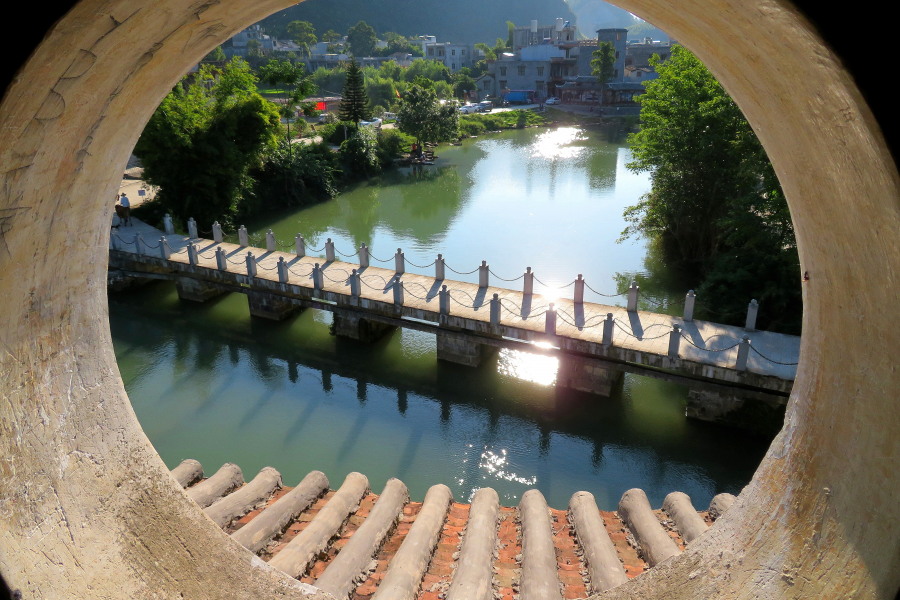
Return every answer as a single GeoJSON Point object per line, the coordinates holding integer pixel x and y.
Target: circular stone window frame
{"type": "Point", "coordinates": [87, 507]}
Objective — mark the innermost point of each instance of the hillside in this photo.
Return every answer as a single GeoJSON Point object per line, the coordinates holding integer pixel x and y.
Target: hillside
{"type": "Point", "coordinates": [596, 14]}
{"type": "Point", "coordinates": [464, 21]}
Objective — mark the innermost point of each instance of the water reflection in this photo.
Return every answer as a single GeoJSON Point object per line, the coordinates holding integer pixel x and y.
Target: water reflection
{"type": "Point", "coordinates": [210, 383]}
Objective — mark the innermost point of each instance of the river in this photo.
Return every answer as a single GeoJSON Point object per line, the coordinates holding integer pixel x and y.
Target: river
{"type": "Point", "coordinates": [210, 383]}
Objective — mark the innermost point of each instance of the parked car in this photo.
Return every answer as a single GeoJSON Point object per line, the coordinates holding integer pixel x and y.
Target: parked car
{"type": "Point", "coordinates": [376, 123]}
{"type": "Point", "coordinates": [486, 106]}
{"type": "Point", "coordinates": [552, 100]}
{"type": "Point", "coordinates": [467, 109]}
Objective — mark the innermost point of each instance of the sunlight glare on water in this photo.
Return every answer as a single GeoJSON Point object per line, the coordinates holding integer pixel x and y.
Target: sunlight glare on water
{"type": "Point", "coordinates": [556, 143]}
{"type": "Point", "coordinates": [526, 366]}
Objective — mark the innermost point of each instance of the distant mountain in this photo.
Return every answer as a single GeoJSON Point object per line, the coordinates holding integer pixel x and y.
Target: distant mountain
{"type": "Point", "coordinates": [597, 14]}
{"type": "Point", "coordinates": [462, 21]}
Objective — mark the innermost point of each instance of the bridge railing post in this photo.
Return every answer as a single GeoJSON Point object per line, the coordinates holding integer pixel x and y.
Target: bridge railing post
{"type": "Point", "coordinates": [168, 225]}
{"type": "Point", "coordinates": [398, 292]}
{"type": "Point", "coordinates": [363, 256]}
{"type": "Point", "coordinates": [495, 310]}
{"type": "Point", "coordinates": [689, 306]}
{"type": "Point", "coordinates": [251, 265]}
{"type": "Point", "coordinates": [329, 250]}
{"type": "Point", "coordinates": [138, 244]}
{"type": "Point", "coordinates": [484, 274]}
{"type": "Point", "coordinates": [743, 354]}
{"type": "Point", "coordinates": [221, 260]}
{"type": "Point", "coordinates": [528, 282]}
{"type": "Point", "coordinates": [284, 275]}
{"type": "Point", "coordinates": [164, 251]}
{"type": "Point", "coordinates": [354, 284]}
{"type": "Point", "coordinates": [243, 237]}
{"type": "Point", "coordinates": [752, 311]}
{"type": "Point", "coordinates": [193, 256]}
{"type": "Point", "coordinates": [633, 296]}
{"type": "Point", "coordinates": [439, 268]}
{"type": "Point", "coordinates": [270, 241]}
{"type": "Point", "coordinates": [674, 341]}
{"type": "Point", "coordinates": [192, 229]}
{"type": "Point", "coordinates": [300, 246]}
{"type": "Point", "coordinates": [399, 262]}
{"type": "Point", "coordinates": [217, 232]}
{"type": "Point", "coordinates": [444, 301]}
{"type": "Point", "coordinates": [318, 282]}
{"type": "Point", "coordinates": [608, 329]}
{"type": "Point", "coordinates": [579, 290]}
{"type": "Point", "coordinates": [550, 320]}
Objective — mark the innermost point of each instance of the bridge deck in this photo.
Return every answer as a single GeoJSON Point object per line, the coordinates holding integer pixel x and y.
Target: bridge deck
{"type": "Point", "coordinates": [640, 331]}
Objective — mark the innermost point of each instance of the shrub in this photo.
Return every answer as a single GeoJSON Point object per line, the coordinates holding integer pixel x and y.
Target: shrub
{"type": "Point", "coordinates": [391, 144]}
{"type": "Point", "coordinates": [359, 154]}
{"type": "Point", "coordinates": [333, 133]}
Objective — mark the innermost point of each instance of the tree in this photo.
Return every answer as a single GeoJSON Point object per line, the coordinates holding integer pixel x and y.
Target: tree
{"type": "Point", "coordinates": [254, 48]}
{"type": "Point", "coordinates": [603, 63]}
{"type": "Point", "coordinates": [510, 28]}
{"type": "Point", "coordinates": [362, 39]}
{"type": "Point", "coordinates": [354, 101]}
{"type": "Point", "coordinates": [303, 33]}
{"type": "Point", "coordinates": [489, 53]}
{"type": "Point", "coordinates": [330, 36]}
{"type": "Point", "coordinates": [202, 141]}
{"type": "Point", "coordinates": [463, 82]}
{"type": "Point", "coordinates": [292, 77]}
{"type": "Point", "coordinates": [217, 55]}
{"type": "Point", "coordinates": [423, 117]}
{"type": "Point", "coordinates": [360, 152]}
{"type": "Point", "coordinates": [715, 206]}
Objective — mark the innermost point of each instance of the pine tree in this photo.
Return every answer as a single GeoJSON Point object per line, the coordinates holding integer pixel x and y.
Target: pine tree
{"type": "Point", "coordinates": [354, 101]}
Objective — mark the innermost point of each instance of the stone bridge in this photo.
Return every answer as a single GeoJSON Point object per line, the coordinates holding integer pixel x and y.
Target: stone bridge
{"type": "Point", "coordinates": [725, 366]}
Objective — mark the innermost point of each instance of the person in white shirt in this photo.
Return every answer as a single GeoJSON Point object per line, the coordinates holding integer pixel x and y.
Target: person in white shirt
{"type": "Point", "coordinates": [126, 206]}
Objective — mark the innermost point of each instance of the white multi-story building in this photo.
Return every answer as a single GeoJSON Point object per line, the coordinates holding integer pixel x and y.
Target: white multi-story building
{"type": "Point", "coordinates": [454, 56]}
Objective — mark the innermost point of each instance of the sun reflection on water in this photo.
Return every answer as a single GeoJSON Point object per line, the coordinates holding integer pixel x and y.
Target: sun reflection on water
{"type": "Point", "coordinates": [526, 366]}
{"type": "Point", "coordinates": [496, 464]}
{"type": "Point", "coordinates": [555, 143]}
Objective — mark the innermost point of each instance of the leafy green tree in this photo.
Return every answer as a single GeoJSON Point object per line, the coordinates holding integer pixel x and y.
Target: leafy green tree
{"type": "Point", "coordinates": [359, 153]}
{"type": "Point", "coordinates": [428, 69]}
{"type": "Point", "coordinates": [217, 55]}
{"type": "Point", "coordinates": [362, 39]}
{"type": "Point", "coordinates": [354, 100]}
{"type": "Point", "coordinates": [510, 28]}
{"type": "Point", "coordinates": [390, 70]}
{"type": "Point", "coordinates": [489, 53]}
{"type": "Point", "coordinates": [202, 141]}
{"type": "Point", "coordinates": [603, 63]}
{"type": "Point", "coordinates": [303, 33]}
{"type": "Point", "coordinates": [424, 118]}
{"type": "Point", "coordinates": [293, 78]}
{"type": "Point", "coordinates": [715, 206]}
{"type": "Point", "coordinates": [254, 48]}
{"type": "Point", "coordinates": [293, 176]}
{"type": "Point", "coordinates": [330, 36]}
{"type": "Point", "coordinates": [462, 82]}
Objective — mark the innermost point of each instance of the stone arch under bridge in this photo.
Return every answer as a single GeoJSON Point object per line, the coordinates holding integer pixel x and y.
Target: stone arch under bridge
{"type": "Point", "coordinates": [87, 508]}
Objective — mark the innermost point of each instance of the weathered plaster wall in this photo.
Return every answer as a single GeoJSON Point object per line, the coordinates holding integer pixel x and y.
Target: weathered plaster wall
{"type": "Point", "coordinates": [87, 508]}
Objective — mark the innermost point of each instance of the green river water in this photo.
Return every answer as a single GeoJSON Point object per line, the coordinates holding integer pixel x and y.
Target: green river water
{"type": "Point", "coordinates": [209, 382]}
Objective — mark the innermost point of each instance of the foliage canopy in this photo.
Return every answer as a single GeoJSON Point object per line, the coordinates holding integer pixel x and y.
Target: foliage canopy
{"type": "Point", "coordinates": [715, 206]}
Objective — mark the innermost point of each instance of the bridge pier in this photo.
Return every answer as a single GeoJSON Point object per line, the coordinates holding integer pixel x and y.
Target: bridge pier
{"type": "Point", "coordinates": [460, 349]}
{"type": "Point", "coordinates": [587, 375]}
{"type": "Point", "coordinates": [760, 416]}
{"type": "Point", "coordinates": [356, 328]}
{"type": "Point", "coordinates": [195, 290]}
{"type": "Point", "coordinates": [270, 306]}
